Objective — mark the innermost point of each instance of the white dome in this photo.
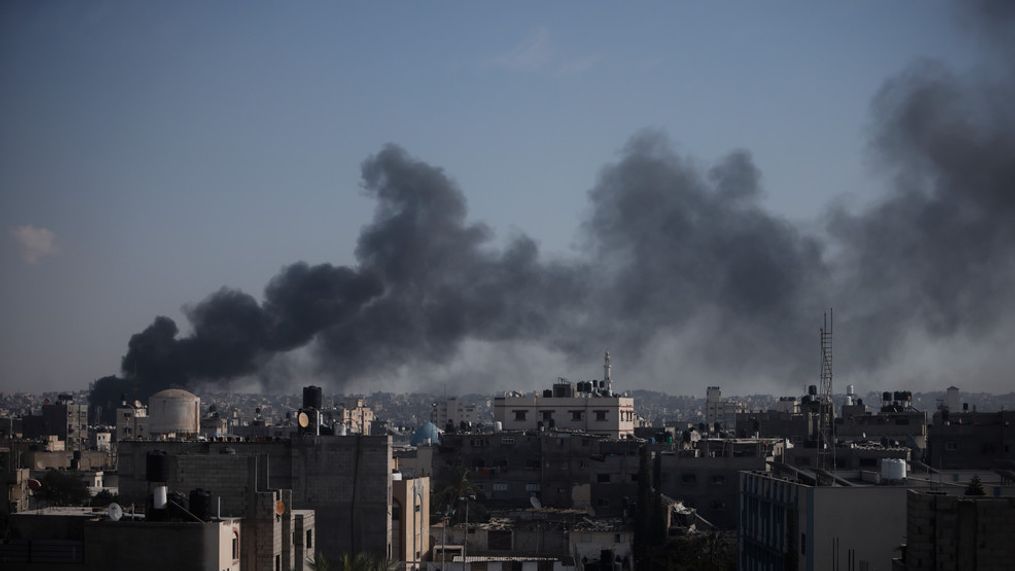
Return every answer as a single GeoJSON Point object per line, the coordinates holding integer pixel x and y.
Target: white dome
{"type": "Point", "coordinates": [174, 411]}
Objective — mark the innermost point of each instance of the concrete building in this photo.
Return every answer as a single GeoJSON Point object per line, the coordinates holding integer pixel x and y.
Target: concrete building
{"type": "Point", "coordinates": [561, 469]}
{"type": "Point", "coordinates": [786, 524]}
{"type": "Point", "coordinates": [720, 412]}
{"type": "Point", "coordinates": [410, 520]}
{"type": "Point", "coordinates": [64, 419]}
{"type": "Point", "coordinates": [972, 440]}
{"type": "Point", "coordinates": [951, 400]}
{"type": "Point", "coordinates": [850, 459]}
{"type": "Point", "coordinates": [587, 406]}
{"type": "Point", "coordinates": [897, 423]}
{"type": "Point", "coordinates": [101, 441]}
{"type": "Point", "coordinates": [174, 413]}
{"type": "Point", "coordinates": [454, 412]}
{"type": "Point", "coordinates": [355, 415]}
{"type": "Point", "coordinates": [581, 407]}
{"type": "Point", "coordinates": [345, 480]}
{"type": "Point", "coordinates": [131, 422]}
{"type": "Point", "coordinates": [13, 486]}
{"type": "Point", "coordinates": [535, 539]}
{"type": "Point", "coordinates": [67, 459]}
{"type": "Point", "coordinates": [85, 539]}
{"type": "Point", "coordinates": [954, 533]}
{"type": "Point", "coordinates": [707, 476]}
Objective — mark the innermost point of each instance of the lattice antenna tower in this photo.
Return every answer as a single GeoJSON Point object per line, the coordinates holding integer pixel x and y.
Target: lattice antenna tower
{"type": "Point", "coordinates": [826, 356]}
{"type": "Point", "coordinates": [826, 381]}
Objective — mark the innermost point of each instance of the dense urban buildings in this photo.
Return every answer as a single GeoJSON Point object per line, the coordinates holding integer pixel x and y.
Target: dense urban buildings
{"type": "Point", "coordinates": [294, 481]}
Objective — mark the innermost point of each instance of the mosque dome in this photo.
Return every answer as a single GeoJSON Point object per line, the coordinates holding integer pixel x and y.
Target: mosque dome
{"type": "Point", "coordinates": [427, 432]}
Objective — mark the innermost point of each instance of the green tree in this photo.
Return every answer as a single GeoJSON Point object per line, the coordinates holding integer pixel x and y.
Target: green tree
{"type": "Point", "coordinates": [104, 498]}
{"type": "Point", "coordinates": [975, 487]}
{"type": "Point", "coordinates": [62, 489]}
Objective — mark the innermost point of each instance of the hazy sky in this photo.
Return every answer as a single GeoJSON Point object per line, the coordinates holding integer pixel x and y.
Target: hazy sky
{"type": "Point", "coordinates": [151, 153]}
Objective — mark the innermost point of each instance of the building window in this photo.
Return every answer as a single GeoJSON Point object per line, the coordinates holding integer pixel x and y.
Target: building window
{"type": "Point", "coordinates": [547, 415]}
{"type": "Point", "coordinates": [507, 441]}
{"type": "Point", "coordinates": [532, 487]}
{"type": "Point", "coordinates": [600, 416]}
{"type": "Point", "coordinates": [500, 486]}
{"type": "Point", "coordinates": [278, 563]}
{"type": "Point", "coordinates": [396, 511]}
{"type": "Point", "coordinates": [576, 415]}
{"type": "Point", "coordinates": [236, 547]}
{"type": "Point", "coordinates": [310, 539]}
{"type": "Point", "coordinates": [520, 415]}
{"type": "Point", "coordinates": [603, 478]}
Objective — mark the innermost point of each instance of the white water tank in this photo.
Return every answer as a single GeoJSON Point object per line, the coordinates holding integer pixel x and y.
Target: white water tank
{"type": "Point", "coordinates": [893, 469]}
{"type": "Point", "coordinates": [498, 426]}
{"type": "Point", "coordinates": [174, 411]}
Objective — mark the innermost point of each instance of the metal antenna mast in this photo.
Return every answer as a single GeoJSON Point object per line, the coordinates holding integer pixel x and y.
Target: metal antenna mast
{"type": "Point", "coordinates": [826, 380]}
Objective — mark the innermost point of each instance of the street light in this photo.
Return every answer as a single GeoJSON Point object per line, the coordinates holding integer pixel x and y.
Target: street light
{"type": "Point", "coordinates": [465, 543]}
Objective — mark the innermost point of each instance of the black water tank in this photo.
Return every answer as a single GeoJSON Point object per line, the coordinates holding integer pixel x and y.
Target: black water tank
{"type": "Point", "coordinates": [548, 393]}
{"type": "Point", "coordinates": [812, 389]}
{"type": "Point", "coordinates": [313, 397]}
{"type": "Point", "coordinates": [200, 503]}
{"type": "Point", "coordinates": [157, 466]}
{"type": "Point", "coordinates": [886, 396]}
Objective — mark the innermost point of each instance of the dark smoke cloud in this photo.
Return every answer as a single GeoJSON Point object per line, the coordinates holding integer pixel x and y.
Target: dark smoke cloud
{"type": "Point", "coordinates": [670, 251]}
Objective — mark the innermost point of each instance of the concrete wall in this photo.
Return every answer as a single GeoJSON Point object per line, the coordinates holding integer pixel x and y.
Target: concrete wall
{"type": "Point", "coordinates": [346, 480]}
{"type": "Point", "coordinates": [154, 546]}
{"type": "Point", "coordinates": [862, 524]}
{"type": "Point", "coordinates": [61, 460]}
{"type": "Point", "coordinates": [952, 533]}
{"type": "Point", "coordinates": [412, 530]}
{"type": "Point", "coordinates": [707, 484]}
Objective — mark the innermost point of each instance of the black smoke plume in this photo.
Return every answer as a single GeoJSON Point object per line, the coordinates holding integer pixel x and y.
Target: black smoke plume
{"type": "Point", "coordinates": [672, 255]}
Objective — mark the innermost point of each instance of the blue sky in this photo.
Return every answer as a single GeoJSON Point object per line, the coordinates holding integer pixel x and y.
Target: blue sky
{"type": "Point", "coordinates": [151, 153]}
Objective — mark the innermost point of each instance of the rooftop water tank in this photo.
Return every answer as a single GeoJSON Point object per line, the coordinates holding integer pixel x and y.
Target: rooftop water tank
{"type": "Point", "coordinates": [893, 469]}
{"type": "Point", "coordinates": [174, 411]}
{"type": "Point", "coordinates": [313, 397]}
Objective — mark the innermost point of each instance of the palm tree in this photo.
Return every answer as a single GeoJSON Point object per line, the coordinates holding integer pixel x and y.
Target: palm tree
{"type": "Point", "coordinates": [366, 562]}
{"type": "Point", "coordinates": [320, 563]}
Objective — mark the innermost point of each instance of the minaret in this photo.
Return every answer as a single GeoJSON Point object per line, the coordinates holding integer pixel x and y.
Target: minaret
{"type": "Point", "coordinates": [606, 373]}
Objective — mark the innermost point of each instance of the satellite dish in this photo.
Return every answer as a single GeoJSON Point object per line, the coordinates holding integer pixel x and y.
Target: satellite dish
{"type": "Point", "coordinates": [34, 485]}
{"type": "Point", "coordinates": [114, 511]}
{"type": "Point", "coordinates": [279, 507]}
{"type": "Point", "coordinates": [303, 419]}
{"type": "Point", "coordinates": [535, 502]}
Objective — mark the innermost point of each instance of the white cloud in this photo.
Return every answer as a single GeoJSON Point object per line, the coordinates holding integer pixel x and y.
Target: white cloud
{"type": "Point", "coordinates": [536, 53]}
{"type": "Point", "coordinates": [35, 242]}
{"type": "Point", "coordinates": [531, 54]}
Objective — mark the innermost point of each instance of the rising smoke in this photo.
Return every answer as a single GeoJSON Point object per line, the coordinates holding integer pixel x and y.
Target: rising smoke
{"type": "Point", "coordinates": [674, 258]}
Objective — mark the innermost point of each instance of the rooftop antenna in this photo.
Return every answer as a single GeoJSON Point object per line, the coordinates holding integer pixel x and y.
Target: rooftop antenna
{"type": "Point", "coordinates": [828, 434]}
{"type": "Point", "coordinates": [607, 369]}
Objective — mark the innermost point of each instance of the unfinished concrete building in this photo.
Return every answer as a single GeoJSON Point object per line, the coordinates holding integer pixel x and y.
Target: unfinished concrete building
{"type": "Point", "coordinates": [952, 532]}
